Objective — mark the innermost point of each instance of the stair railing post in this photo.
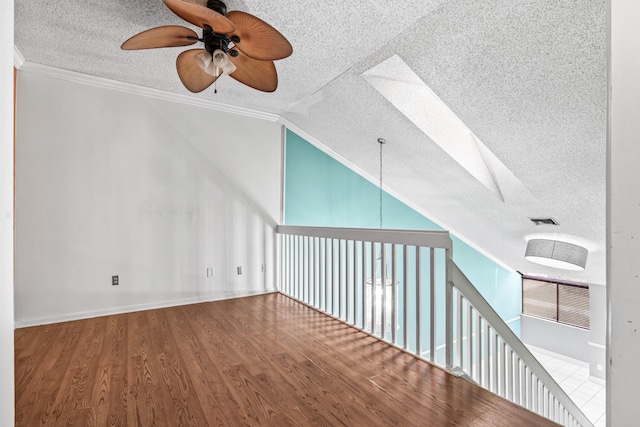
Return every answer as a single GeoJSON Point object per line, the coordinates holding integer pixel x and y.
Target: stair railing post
{"type": "Point", "coordinates": [448, 311]}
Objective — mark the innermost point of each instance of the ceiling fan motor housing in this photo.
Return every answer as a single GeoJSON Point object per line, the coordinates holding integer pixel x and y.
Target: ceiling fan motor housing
{"type": "Point", "coordinates": [217, 6]}
{"type": "Point", "coordinates": [214, 41]}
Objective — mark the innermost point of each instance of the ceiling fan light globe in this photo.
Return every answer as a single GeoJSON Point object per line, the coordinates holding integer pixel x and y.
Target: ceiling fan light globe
{"type": "Point", "coordinates": [205, 61]}
{"type": "Point", "coordinates": [221, 60]}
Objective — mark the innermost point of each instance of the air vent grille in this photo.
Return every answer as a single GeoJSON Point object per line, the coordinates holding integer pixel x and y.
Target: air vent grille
{"type": "Point", "coordinates": [544, 221]}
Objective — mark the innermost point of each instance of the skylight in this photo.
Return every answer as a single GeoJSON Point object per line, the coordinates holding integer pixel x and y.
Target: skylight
{"type": "Point", "coordinates": [402, 87]}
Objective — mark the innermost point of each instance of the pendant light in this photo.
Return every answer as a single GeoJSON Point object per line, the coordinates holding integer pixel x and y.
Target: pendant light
{"type": "Point", "coordinates": [382, 295]}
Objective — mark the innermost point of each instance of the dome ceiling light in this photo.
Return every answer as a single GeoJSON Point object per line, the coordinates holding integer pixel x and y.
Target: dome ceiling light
{"type": "Point", "coordinates": [557, 254]}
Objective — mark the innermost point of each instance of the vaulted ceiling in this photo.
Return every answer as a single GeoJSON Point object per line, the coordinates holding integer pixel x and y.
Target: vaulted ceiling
{"type": "Point", "coordinates": [527, 78]}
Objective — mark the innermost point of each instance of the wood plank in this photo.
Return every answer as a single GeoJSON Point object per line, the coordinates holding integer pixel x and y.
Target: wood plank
{"type": "Point", "coordinates": [142, 400]}
{"type": "Point", "coordinates": [257, 361]}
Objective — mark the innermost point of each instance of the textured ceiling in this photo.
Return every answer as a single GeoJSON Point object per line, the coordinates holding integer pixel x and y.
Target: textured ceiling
{"type": "Point", "coordinates": [528, 78]}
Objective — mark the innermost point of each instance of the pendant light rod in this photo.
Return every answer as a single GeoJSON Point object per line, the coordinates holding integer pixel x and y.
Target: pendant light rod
{"type": "Point", "coordinates": [381, 141]}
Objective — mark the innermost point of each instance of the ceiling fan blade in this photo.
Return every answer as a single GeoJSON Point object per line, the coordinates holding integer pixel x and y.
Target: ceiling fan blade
{"type": "Point", "coordinates": [167, 36]}
{"type": "Point", "coordinates": [200, 15]}
{"type": "Point", "coordinates": [257, 74]}
{"type": "Point", "coordinates": [258, 39]}
{"type": "Point", "coordinates": [192, 76]}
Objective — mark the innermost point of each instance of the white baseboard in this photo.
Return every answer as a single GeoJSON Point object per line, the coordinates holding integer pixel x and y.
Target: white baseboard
{"type": "Point", "coordinates": [24, 323]}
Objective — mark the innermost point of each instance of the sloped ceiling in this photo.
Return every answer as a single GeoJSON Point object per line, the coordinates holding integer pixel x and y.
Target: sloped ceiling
{"type": "Point", "coordinates": [528, 78]}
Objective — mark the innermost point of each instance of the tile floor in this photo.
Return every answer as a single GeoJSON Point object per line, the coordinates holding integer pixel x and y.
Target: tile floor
{"type": "Point", "coordinates": [573, 376]}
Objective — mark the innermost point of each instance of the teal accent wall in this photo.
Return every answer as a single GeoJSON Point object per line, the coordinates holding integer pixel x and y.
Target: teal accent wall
{"type": "Point", "coordinates": [320, 191]}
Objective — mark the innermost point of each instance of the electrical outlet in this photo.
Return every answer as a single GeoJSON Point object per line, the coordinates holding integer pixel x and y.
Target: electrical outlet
{"type": "Point", "coordinates": [264, 267]}
{"type": "Point", "coordinates": [239, 270]}
{"type": "Point", "coordinates": [115, 280]}
{"type": "Point", "coordinates": [210, 272]}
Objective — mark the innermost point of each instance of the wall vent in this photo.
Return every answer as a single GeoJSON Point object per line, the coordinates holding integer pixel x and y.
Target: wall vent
{"type": "Point", "coordinates": [544, 221]}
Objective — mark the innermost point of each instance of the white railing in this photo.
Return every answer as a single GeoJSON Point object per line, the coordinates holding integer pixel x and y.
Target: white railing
{"type": "Point", "coordinates": [403, 287]}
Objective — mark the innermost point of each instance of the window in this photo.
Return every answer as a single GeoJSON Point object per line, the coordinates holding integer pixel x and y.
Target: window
{"type": "Point", "coordinates": [561, 302]}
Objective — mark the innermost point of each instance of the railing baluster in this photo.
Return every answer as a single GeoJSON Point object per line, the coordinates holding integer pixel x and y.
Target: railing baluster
{"type": "Point", "coordinates": [322, 274]}
{"type": "Point", "coordinates": [494, 372]}
{"type": "Point", "coordinates": [432, 304]}
{"type": "Point", "coordinates": [523, 383]}
{"type": "Point", "coordinates": [487, 354]}
{"type": "Point", "coordinates": [394, 295]}
{"type": "Point", "coordinates": [405, 294]}
{"type": "Point", "coordinates": [307, 266]}
{"type": "Point", "coordinates": [530, 388]}
{"type": "Point", "coordinates": [502, 373]}
{"type": "Point", "coordinates": [383, 283]}
{"type": "Point", "coordinates": [516, 377]}
{"type": "Point", "coordinates": [327, 278]}
{"type": "Point", "coordinates": [364, 284]}
{"type": "Point", "coordinates": [310, 296]}
{"type": "Point", "coordinates": [545, 402]}
{"type": "Point", "coordinates": [330, 278]}
{"type": "Point", "coordinates": [354, 258]}
{"type": "Point", "coordinates": [279, 264]}
{"type": "Point", "coordinates": [478, 345]}
{"type": "Point", "coordinates": [534, 393]}
{"type": "Point", "coordinates": [509, 377]}
{"type": "Point", "coordinates": [290, 261]}
{"type": "Point", "coordinates": [448, 299]}
{"type": "Point", "coordinates": [373, 288]}
{"type": "Point", "coordinates": [296, 282]}
{"type": "Point", "coordinates": [347, 279]}
{"type": "Point", "coordinates": [537, 396]}
{"type": "Point", "coordinates": [460, 324]}
{"type": "Point", "coordinates": [470, 338]}
{"type": "Point", "coordinates": [333, 275]}
{"type": "Point", "coordinates": [285, 268]}
{"type": "Point", "coordinates": [301, 269]}
{"type": "Point", "coordinates": [418, 303]}
{"type": "Point", "coordinates": [340, 277]}
{"type": "Point", "coordinates": [315, 272]}
{"type": "Point", "coordinates": [291, 266]}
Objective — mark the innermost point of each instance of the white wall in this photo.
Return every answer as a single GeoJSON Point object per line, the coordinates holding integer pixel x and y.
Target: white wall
{"type": "Point", "coordinates": [6, 215]}
{"type": "Point", "coordinates": [623, 216]}
{"type": "Point", "coordinates": [155, 191]}
{"type": "Point", "coordinates": [555, 337]}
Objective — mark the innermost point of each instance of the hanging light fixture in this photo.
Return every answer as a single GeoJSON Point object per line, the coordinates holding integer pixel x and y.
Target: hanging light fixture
{"type": "Point", "coordinates": [557, 254]}
{"type": "Point", "coordinates": [381, 291]}
{"type": "Point", "coordinates": [214, 63]}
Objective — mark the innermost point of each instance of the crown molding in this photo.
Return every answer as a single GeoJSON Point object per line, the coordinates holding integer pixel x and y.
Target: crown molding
{"type": "Point", "coordinates": [72, 76]}
{"type": "Point", "coordinates": [18, 59]}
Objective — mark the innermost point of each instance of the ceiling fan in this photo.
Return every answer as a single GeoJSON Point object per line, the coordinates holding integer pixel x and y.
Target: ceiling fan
{"type": "Point", "coordinates": [235, 43]}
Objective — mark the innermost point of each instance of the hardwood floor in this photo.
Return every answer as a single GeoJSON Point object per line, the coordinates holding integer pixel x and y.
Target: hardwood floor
{"type": "Point", "coordinates": [257, 361]}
